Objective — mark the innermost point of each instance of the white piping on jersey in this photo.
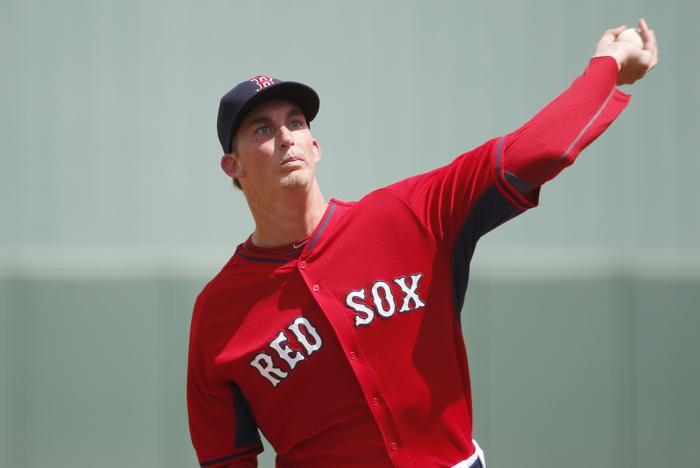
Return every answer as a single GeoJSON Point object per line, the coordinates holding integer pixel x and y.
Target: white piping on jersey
{"type": "Point", "coordinates": [590, 122]}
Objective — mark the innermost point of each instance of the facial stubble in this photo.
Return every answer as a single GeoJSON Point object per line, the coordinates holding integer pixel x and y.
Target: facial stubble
{"type": "Point", "coordinates": [296, 180]}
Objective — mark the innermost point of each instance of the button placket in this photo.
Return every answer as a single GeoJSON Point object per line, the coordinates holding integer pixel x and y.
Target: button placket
{"type": "Point", "coordinates": [348, 339]}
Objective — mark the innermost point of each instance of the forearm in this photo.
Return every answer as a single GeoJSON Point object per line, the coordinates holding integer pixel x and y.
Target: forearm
{"type": "Point", "coordinates": [554, 137]}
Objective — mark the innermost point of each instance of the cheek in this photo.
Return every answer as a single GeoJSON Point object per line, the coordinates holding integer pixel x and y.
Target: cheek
{"type": "Point", "coordinates": [257, 154]}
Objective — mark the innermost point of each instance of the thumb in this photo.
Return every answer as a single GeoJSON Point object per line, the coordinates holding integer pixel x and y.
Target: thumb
{"type": "Point", "coordinates": [611, 34]}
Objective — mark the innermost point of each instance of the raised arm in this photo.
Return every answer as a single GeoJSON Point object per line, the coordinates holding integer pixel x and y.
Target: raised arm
{"type": "Point", "coordinates": [498, 180]}
{"type": "Point", "coordinates": [553, 138]}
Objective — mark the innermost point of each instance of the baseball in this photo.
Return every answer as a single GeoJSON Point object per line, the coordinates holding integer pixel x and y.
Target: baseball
{"type": "Point", "coordinates": [631, 36]}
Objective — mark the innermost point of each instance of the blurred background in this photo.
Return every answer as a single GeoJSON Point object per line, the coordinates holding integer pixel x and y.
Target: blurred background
{"type": "Point", "coordinates": [582, 316]}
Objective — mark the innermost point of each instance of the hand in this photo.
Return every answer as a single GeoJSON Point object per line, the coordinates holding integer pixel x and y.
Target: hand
{"type": "Point", "coordinates": [633, 62]}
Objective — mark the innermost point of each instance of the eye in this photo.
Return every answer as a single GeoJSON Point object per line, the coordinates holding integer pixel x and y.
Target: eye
{"type": "Point", "coordinates": [263, 130]}
{"type": "Point", "coordinates": [296, 123]}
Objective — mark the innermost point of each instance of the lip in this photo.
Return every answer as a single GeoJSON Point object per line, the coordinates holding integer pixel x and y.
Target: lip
{"type": "Point", "coordinates": [290, 160]}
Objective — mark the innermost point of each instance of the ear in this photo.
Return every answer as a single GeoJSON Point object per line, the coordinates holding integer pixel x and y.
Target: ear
{"type": "Point", "coordinates": [231, 165]}
{"type": "Point", "coordinates": [317, 151]}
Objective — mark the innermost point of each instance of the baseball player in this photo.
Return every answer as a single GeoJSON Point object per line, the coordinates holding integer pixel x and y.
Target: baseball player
{"type": "Point", "coordinates": [334, 328]}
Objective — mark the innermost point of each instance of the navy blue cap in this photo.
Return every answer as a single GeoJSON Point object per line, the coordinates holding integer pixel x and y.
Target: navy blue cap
{"type": "Point", "coordinates": [241, 99]}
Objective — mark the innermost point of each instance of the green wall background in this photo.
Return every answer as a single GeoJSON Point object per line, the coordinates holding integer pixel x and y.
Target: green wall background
{"type": "Point", "coordinates": [582, 317]}
{"type": "Point", "coordinates": [567, 369]}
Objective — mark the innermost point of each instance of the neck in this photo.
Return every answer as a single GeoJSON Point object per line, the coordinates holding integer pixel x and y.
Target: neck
{"type": "Point", "coordinates": [288, 218]}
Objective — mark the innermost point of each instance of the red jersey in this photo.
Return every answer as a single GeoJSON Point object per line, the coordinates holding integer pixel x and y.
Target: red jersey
{"type": "Point", "coordinates": [348, 351]}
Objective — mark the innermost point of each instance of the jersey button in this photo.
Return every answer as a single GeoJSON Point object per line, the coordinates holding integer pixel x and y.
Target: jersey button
{"type": "Point", "coordinates": [302, 265]}
{"type": "Point", "coordinates": [394, 445]}
{"type": "Point", "coordinates": [353, 356]}
{"type": "Point", "coordinates": [315, 287]}
{"type": "Point", "coordinates": [375, 402]}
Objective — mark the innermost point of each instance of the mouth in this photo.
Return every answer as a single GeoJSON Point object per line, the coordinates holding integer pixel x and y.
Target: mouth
{"type": "Point", "coordinates": [290, 160]}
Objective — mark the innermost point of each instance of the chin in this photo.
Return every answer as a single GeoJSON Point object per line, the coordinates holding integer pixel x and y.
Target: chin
{"type": "Point", "coordinates": [296, 180]}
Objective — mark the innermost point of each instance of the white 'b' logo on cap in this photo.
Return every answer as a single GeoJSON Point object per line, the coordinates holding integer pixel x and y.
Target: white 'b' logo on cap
{"type": "Point", "coordinates": [263, 81]}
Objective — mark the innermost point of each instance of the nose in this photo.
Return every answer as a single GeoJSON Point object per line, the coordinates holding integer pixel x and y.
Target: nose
{"type": "Point", "coordinates": [284, 137]}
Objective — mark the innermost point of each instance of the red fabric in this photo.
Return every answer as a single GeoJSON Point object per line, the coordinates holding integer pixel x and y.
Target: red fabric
{"type": "Point", "coordinates": [210, 403]}
{"type": "Point", "coordinates": [554, 137]}
{"type": "Point", "coordinates": [374, 373]}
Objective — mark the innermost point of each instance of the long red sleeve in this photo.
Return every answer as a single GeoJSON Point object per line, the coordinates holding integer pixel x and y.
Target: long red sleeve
{"type": "Point", "coordinates": [554, 137]}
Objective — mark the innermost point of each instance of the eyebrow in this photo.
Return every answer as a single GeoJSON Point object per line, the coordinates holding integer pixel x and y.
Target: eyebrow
{"type": "Point", "coordinates": [263, 119]}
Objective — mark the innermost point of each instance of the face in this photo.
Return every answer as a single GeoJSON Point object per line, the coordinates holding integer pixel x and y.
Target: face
{"type": "Point", "coordinates": [274, 150]}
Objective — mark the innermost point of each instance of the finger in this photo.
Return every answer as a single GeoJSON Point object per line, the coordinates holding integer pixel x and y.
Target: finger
{"type": "Point", "coordinates": [648, 36]}
{"type": "Point", "coordinates": [648, 39]}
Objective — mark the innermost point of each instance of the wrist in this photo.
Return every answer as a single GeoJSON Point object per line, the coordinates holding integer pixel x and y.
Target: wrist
{"type": "Point", "coordinates": [613, 50]}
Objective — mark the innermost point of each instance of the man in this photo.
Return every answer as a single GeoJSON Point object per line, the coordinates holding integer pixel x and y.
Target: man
{"type": "Point", "coordinates": [334, 328]}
